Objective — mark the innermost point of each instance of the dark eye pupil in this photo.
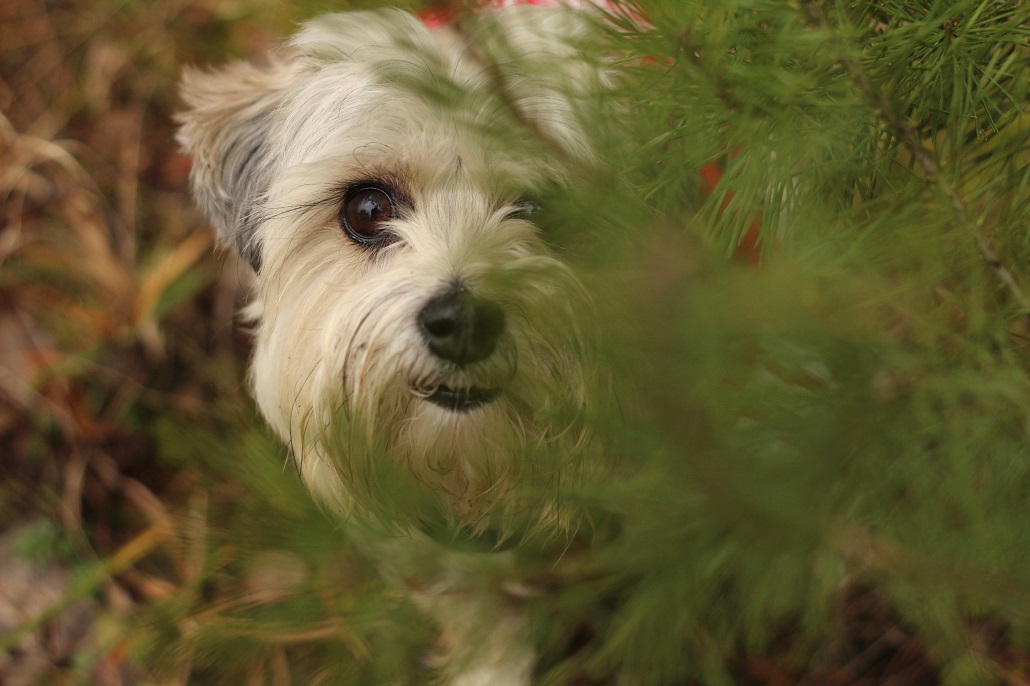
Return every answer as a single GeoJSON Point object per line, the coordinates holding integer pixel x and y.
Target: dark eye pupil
{"type": "Point", "coordinates": [365, 210]}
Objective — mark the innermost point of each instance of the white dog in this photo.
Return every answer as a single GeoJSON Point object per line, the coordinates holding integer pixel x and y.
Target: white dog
{"type": "Point", "coordinates": [418, 346]}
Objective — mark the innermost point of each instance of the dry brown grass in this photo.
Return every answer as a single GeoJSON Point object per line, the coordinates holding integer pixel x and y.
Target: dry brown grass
{"type": "Point", "coordinates": [122, 414]}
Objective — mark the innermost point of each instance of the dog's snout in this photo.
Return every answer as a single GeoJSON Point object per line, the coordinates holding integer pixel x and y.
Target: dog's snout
{"type": "Point", "coordinates": [461, 328]}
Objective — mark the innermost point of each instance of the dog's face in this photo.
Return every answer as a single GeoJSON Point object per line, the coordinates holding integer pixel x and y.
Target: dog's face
{"type": "Point", "coordinates": [418, 345]}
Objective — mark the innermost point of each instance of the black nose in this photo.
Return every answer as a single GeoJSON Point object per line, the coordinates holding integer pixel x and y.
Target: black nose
{"type": "Point", "coordinates": [460, 327]}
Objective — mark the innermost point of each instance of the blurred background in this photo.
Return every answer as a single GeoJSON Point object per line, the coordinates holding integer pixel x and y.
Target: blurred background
{"type": "Point", "coordinates": [810, 281]}
{"type": "Point", "coordinates": [126, 432]}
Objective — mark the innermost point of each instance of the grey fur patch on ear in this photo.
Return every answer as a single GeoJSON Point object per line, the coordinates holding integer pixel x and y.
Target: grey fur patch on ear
{"type": "Point", "coordinates": [225, 128]}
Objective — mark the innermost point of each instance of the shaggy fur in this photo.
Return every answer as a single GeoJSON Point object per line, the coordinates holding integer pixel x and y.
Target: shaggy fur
{"type": "Point", "coordinates": [342, 370]}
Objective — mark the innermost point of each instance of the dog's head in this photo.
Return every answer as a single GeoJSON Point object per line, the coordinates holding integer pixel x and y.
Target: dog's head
{"type": "Point", "coordinates": [418, 345]}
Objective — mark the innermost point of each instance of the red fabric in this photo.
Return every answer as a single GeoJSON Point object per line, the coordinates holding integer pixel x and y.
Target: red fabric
{"type": "Point", "coordinates": [437, 15]}
{"type": "Point", "coordinates": [749, 247]}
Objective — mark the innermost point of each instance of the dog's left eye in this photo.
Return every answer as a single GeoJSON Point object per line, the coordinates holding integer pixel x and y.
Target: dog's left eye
{"type": "Point", "coordinates": [365, 210]}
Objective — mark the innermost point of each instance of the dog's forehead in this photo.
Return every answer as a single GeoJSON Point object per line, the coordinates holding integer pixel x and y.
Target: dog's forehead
{"type": "Point", "coordinates": [382, 90]}
{"type": "Point", "coordinates": [364, 128]}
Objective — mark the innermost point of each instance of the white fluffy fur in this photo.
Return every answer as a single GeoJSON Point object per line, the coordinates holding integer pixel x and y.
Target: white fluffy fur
{"type": "Point", "coordinates": [340, 370]}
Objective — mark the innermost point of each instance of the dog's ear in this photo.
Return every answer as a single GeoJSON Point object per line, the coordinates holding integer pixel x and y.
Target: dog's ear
{"type": "Point", "coordinates": [225, 128]}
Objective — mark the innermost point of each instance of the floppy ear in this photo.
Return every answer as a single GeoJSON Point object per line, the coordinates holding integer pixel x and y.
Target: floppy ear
{"type": "Point", "coordinates": [225, 128]}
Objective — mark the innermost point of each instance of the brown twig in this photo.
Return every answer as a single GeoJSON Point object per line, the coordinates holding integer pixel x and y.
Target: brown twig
{"type": "Point", "coordinates": [137, 548]}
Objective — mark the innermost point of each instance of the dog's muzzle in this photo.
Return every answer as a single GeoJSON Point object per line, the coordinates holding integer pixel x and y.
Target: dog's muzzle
{"type": "Point", "coordinates": [461, 329]}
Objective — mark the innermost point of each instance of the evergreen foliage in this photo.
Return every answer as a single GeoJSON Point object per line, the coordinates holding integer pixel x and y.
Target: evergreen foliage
{"type": "Point", "coordinates": [853, 411]}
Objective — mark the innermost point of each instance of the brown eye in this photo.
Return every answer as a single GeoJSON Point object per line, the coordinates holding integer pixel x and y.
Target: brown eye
{"type": "Point", "coordinates": [365, 210]}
